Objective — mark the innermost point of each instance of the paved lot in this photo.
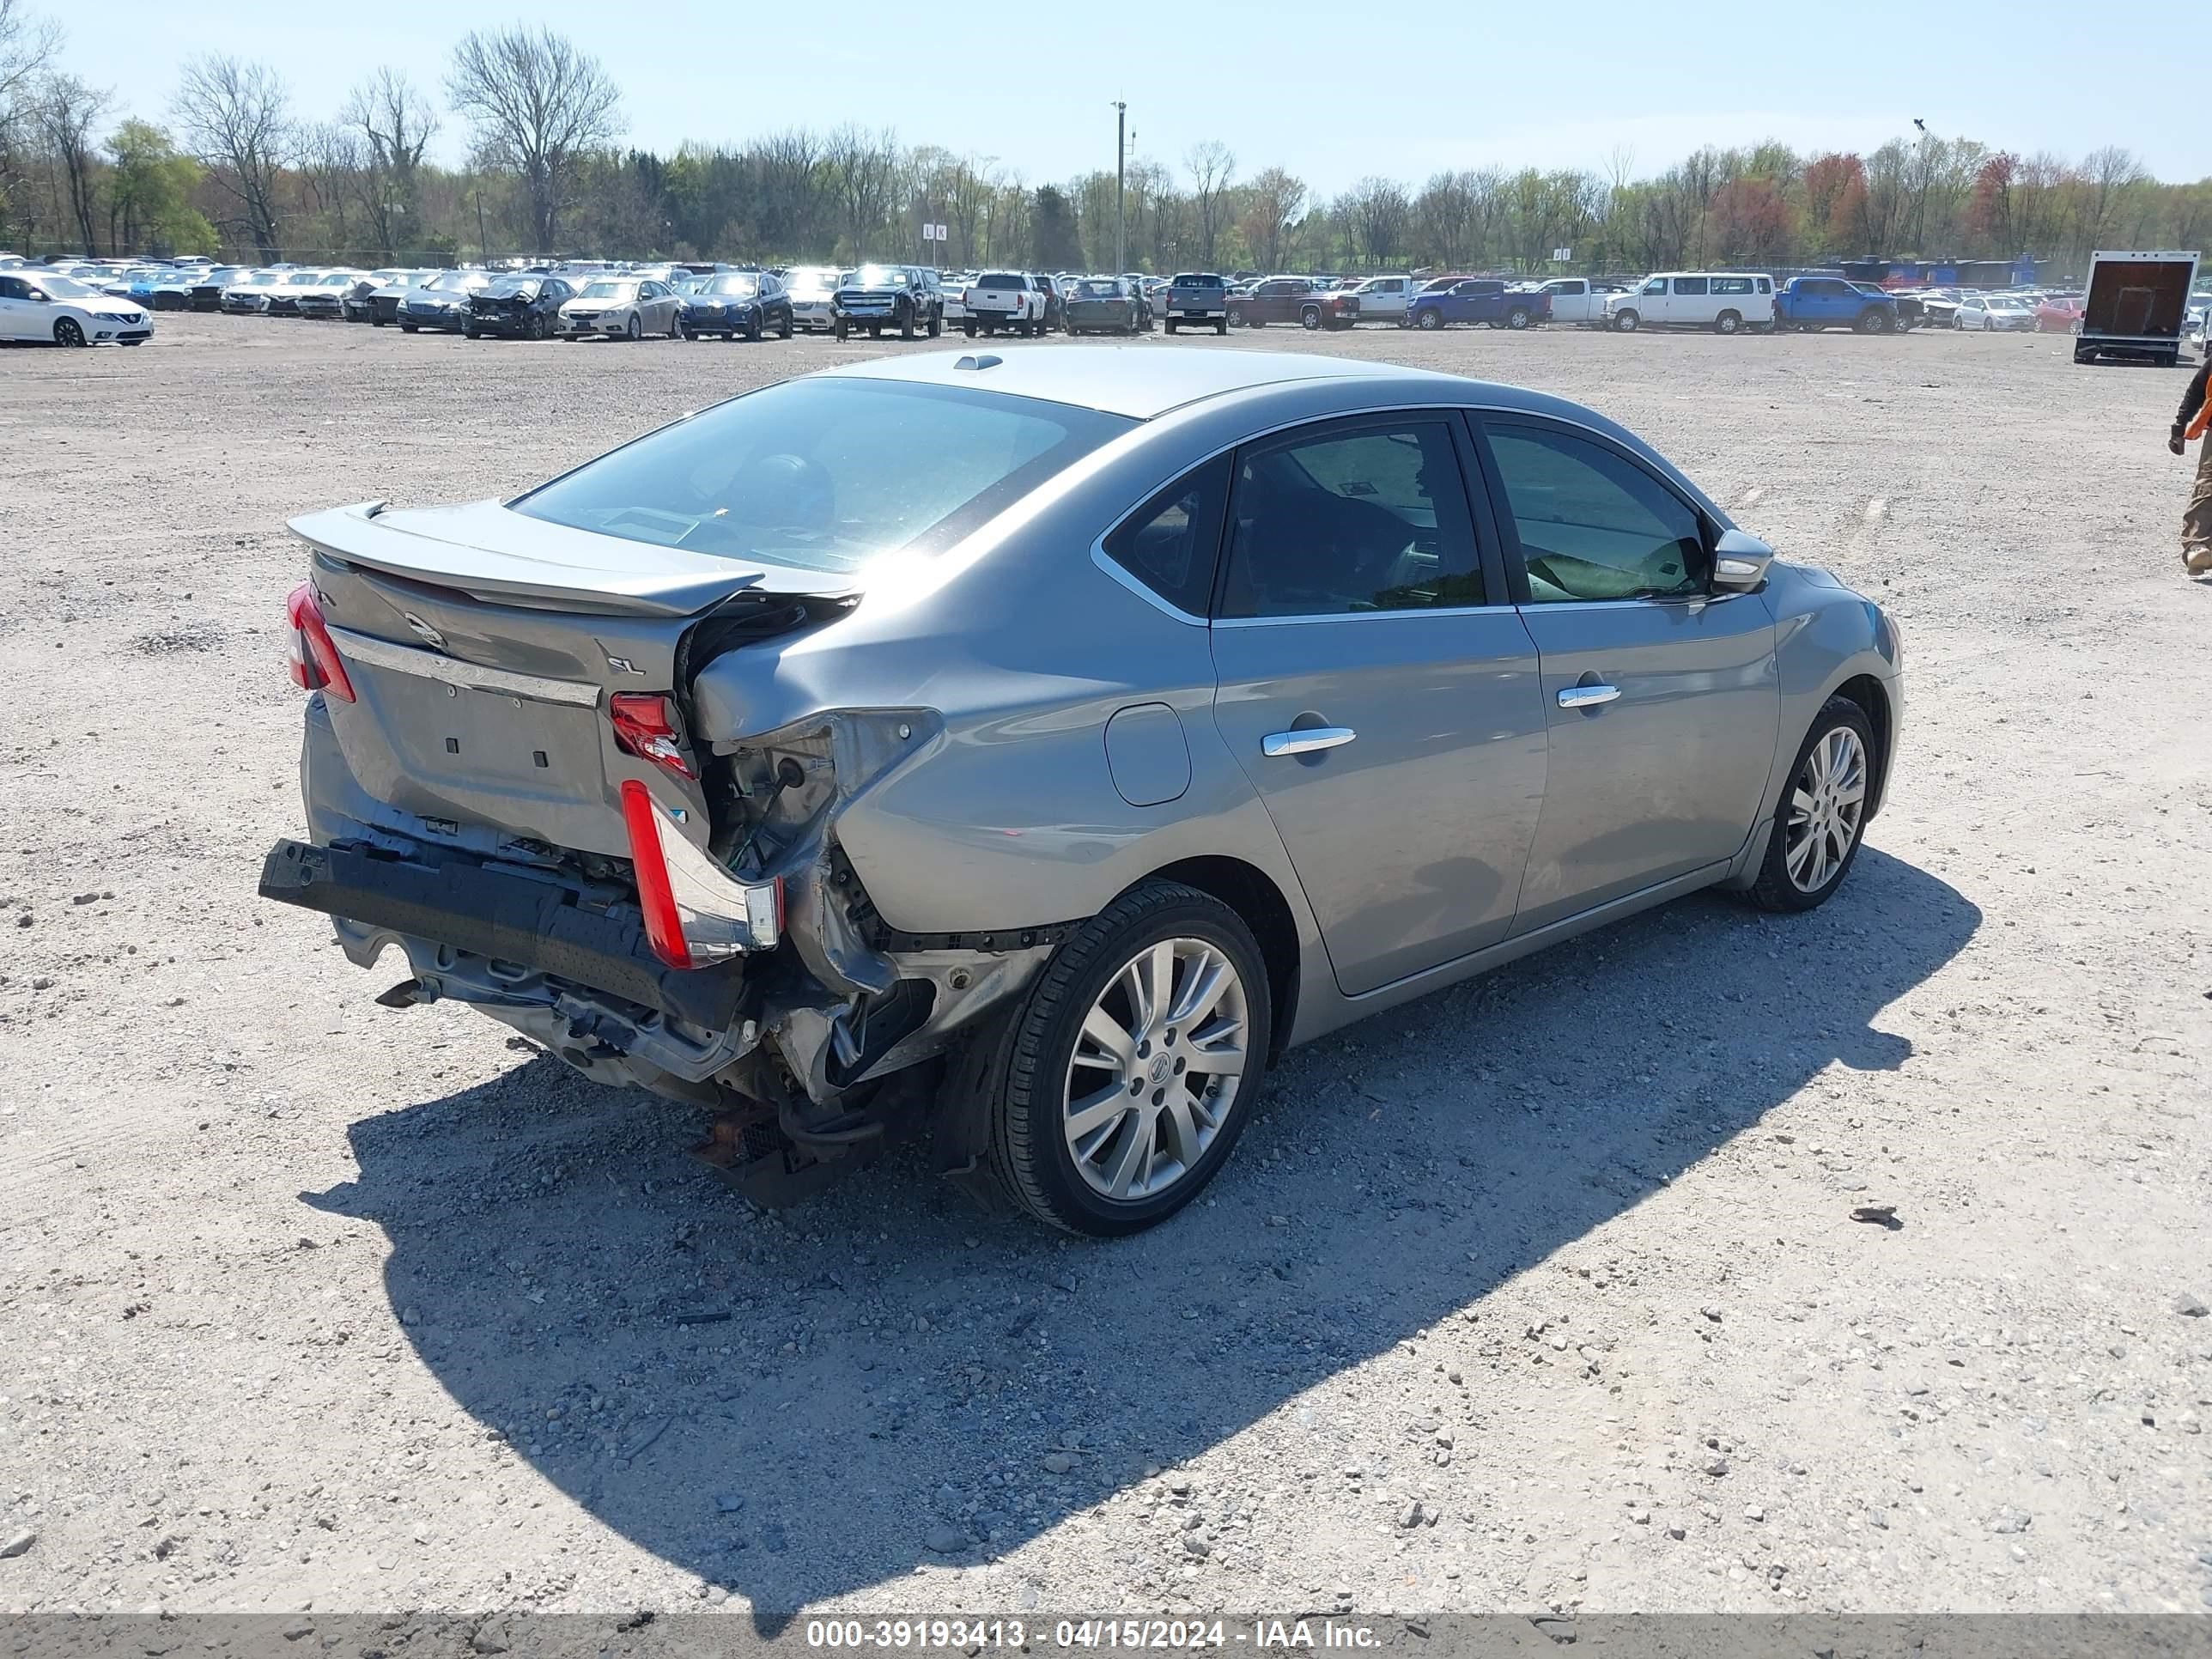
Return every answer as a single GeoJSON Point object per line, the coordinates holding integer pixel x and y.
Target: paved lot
{"type": "Point", "coordinates": [308, 1301]}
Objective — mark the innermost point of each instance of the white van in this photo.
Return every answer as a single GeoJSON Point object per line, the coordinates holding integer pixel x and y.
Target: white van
{"type": "Point", "coordinates": [1724, 301]}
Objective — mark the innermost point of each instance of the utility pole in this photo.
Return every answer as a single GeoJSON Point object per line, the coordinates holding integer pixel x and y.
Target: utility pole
{"type": "Point", "coordinates": [1120, 186]}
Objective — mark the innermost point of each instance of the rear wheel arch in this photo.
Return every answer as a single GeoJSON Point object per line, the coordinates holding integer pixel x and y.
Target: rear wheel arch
{"type": "Point", "coordinates": [1253, 894]}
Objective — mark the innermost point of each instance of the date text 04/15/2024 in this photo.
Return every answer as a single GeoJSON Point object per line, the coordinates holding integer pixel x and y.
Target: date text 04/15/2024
{"type": "Point", "coordinates": [1263, 1635]}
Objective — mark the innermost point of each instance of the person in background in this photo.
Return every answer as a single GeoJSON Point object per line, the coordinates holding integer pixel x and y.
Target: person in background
{"type": "Point", "coordinates": [2197, 518]}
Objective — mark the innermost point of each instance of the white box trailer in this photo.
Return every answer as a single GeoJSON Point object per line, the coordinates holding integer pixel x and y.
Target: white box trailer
{"type": "Point", "coordinates": [2135, 305]}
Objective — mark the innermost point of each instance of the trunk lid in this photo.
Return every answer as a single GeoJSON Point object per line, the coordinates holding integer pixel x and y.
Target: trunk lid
{"type": "Point", "coordinates": [483, 648]}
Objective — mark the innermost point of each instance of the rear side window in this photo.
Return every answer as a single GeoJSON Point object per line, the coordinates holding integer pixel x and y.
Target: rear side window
{"type": "Point", "coordinates": [1731, 284]}
{"type": "Point", "coordinates": [1169, 543]}
{"type": "Point", "coordinates": [1592, 524]}
{"type": "Point", "coordinates": [1351, 520]}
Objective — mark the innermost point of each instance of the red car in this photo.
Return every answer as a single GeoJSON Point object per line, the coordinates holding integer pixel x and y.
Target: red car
{"type": "Point", "coordinates": [2061, 314]}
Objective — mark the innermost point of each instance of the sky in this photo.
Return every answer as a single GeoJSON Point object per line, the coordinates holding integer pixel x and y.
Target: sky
{"type": "Point", "coordinates": [1332, 89]}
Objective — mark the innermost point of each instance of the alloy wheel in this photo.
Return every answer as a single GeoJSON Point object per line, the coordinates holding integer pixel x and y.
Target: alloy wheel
{"type": "Point", "coordinates": [1156, 1068]}
{"type": "Point", "coordinates": [1827, 809]}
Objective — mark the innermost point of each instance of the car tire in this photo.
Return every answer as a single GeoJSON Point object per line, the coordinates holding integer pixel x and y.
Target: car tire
{"type": "Point", "coordinates": [1517, 318]}
{"type": "Point", "coordinates": [407, 328]}
{"type": "Point", "coordinates": [1625, 322]}
{"type": "Point", "coordinates": [1040, 1163]}
{"type": "Point", "coordinates": [1728, 322]}
{"type": "Point", "coordinates": [905, 326]}
{"type": "Point", "coordinates": [1309, 319]}
{"type": "Point", "coordinates": [1429, 321]}
{"type": "Point", "coordinates": [841, 329]}
{"type": "Point", "coordinates": [752, 328]}
{"type": "Point", "coordinates": [1222, 327]}
{"type": "Point", "coordinates": [633, 331]}
{"type": "Point", "coordinates": [969, 329]}
{"type": "Point", "coordinates": [471, 334]}
{"type": "Point", "coordinates": [875, 330]}
{"type": "Point", "coordinates": [537, 326]}
{"type": "Point", "coordinates": [68, 331]}
{"type": "Point", "coordinates": [936, 325]}
{"type": "Point", "coordinates": [1817, 829]}
{"type": "Point", "coordinates": [788, 329]}
{"type": "Point", "coordinates": [1872, 320]}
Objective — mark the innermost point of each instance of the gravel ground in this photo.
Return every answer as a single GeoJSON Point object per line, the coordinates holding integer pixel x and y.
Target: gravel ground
{"type": "Point", "coordinates": [1541, 1292]}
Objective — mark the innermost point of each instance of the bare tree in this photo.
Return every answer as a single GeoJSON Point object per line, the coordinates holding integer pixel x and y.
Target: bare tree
{"type": "Point", "coordinates": [2108, 177]}
{"type": "Point", "coordinates": [538, 106]}
{"type": "Point", "coordinates": [1274, 202]}
{"type": "Point", "coordinates": [395, 123]}
{"type": "Point", "coordinates": [332, 159]}
{"type": "Point", "coordinates": [1380, 215]}
{"type": "Point", "coordinates": [27, 44]}
{"type": "Point", "coordinates": [66, 110]}
{"type": "Point", "coordinates": [865, 166]}
{"type": "Point", "coordinates": [1212, 165]}
{"type": "Point", "coordinates": [238, 118]}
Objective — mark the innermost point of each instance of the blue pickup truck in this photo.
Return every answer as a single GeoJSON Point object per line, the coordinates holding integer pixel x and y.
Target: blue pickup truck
{"type": "Point", "coordinates": [1810, 304]}
{"type": "Point", "coordinates": [1477, 300]}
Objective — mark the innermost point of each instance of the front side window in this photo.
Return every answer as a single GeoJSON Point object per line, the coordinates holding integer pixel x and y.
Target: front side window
{"type": "Point", "coordinates": [1656, 285]}
{"type": "Point", "coordinates": [1169, 543]}
{"type": "Point", "coordinates": [825, 474]}
{"type": "Point", "coordinates": [1364, 519]}
{"type": "Point", "coordinates": [1592, 524]}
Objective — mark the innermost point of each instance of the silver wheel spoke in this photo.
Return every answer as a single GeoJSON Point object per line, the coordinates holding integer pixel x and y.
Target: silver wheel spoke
{"type": "Point", "coordinates": [1105, 1043]}
{"type": "Point", "coordinates": [1207, 978]}
{"type": "Point", "coordinates": [1135, 1162]}
{"type": "Point", "coordinates": [1093, 1112]}
{"type": "Point", "coordinates": [1184, 1141]}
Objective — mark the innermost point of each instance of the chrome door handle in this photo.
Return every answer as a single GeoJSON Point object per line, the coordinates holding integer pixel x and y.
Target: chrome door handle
{"type": "Point", "coordinates": [1587, 696]}
{"type": "Point", "coordinates": [1306, 741]}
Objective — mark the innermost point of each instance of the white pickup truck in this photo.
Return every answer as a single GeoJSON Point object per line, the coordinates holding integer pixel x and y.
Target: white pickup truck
{"type": "Point", "coordinates": [1576, 300]}
{"type": "Point", "coordinates": [1003, 299]}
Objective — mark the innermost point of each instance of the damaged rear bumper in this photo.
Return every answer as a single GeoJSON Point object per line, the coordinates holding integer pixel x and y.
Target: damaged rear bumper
{"type": "Point", "coordinates": [538, 926]}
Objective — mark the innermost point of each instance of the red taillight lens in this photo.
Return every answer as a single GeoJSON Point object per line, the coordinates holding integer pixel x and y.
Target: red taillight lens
{"type": "Point", "coordinates": [696, 914]}
{"type": "Point", "coordinates": [664, 928]}
{"type": "Point", "coordinates": [645, 725]}
{"type": "Point", "coordinates": [315, 666]}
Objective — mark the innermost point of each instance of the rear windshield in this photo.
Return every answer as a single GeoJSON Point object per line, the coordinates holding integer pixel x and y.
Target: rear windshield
{"type": "Point", "coordinates": [1001, 279]}
{"type": "Point", "coordinates": [1195, 279]}
{"type": "Point", "coordinates": [1097, 289]}
{"type": "Point", "coordinates": [825, 474]}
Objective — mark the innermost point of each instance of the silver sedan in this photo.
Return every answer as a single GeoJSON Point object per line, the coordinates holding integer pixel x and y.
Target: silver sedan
{"type": "Point", "coordinates": [1039, 783]}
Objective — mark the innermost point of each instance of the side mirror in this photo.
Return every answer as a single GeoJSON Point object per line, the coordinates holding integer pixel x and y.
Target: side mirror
{"type": "Point", "coordinates": [38, 294]}
{"type": "Point", "coordinates": [1740, 563]}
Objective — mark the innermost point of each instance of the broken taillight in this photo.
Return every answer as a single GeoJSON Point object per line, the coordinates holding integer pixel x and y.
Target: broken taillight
{"type": "Point", "coordinates": [695, 912]}
{"type": "Point", "coordinates": [314, 662]}
{"type": "Point", "coordinates": [645, 725]}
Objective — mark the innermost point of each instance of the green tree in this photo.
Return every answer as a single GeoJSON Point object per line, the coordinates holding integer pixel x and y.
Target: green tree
{"type": "Point", "coordinates": [1053, 239]}
{"type": "Point", "coordinates": [149, 192]}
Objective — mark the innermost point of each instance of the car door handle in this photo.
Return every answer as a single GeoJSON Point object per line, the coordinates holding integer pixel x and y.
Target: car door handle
{"type": "Point", "coordinates": [1306, 741]}
{"type": "Point", "coordinates": [1587, 696]}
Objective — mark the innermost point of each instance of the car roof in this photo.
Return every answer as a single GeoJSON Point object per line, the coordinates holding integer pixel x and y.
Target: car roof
{"type": "Point", "coordinates": [1137, 381]}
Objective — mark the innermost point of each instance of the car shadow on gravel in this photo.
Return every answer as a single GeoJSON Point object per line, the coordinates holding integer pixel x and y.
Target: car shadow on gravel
{"type": "Point", "coordinates": [798, 1406]}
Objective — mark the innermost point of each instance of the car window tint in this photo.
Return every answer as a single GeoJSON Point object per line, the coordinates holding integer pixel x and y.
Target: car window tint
{"type": "Point", "coordinates": [1689, 285]}
{"type": "Point", "coordinates": [1169, 543]}
{"type": "Point", "coordinates": [13, 287]}
{"type": "Point", "coordinates": [1370, 518]}
{"type": "Point", "coordinates": [1731, 284]}
{"type": "Point", "coordinates": [1592, 525]}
